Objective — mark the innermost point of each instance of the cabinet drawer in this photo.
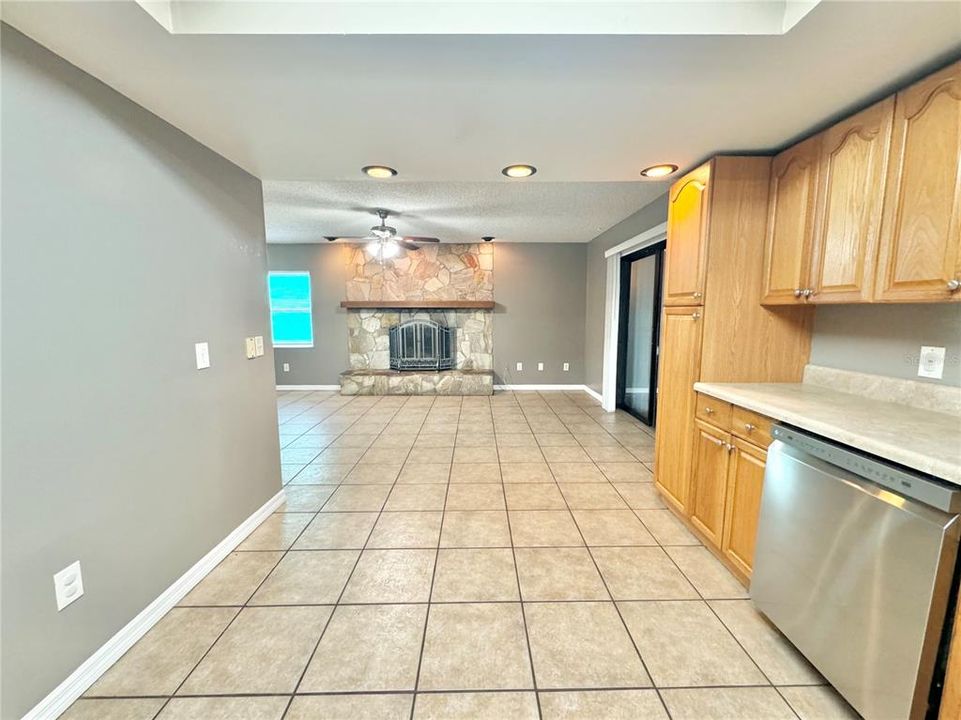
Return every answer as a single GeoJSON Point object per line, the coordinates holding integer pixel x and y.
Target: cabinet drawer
{"type": "Point", "coordinates": [751, 426]}
{"type": "Point", "coordinates": [713, 411]}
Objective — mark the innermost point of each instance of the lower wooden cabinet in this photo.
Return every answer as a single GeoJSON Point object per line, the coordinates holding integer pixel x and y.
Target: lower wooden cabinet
{"type": "Point", "coordinates": [709, 480]}
{"type": "Point", "coordinates": [745, 480]}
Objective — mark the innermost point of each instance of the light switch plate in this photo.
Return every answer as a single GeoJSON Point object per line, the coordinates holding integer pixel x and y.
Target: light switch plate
{"type": "Point", "coordinates": [202, 351]}
{"type": "Point", "coordinates": [519, 367]}
{"type": "Point", "coordinates": [286, 367]}
{"type": "Point", "coordinates": [931, 362]}
{"type": "Point", "coordinates": [251, 348]}
{"type": "Point", "coordinates": [540, 367]}
{"type": "Point", "coordinates": [259, 345]}
{"type": "Point", "coordinates": [567, 367]}
{"type": "Point", "coordinates": [68, 585]}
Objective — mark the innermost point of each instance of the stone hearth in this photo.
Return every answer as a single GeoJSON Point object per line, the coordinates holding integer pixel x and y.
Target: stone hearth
{"type": "Point", "coordinates": [412, 382]}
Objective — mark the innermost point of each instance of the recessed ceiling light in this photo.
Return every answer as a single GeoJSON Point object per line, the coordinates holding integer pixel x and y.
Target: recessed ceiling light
{"type": "Point", "coordinates": [656, 171]}
{"type": "Point", "coordinates": [380, 172]}
{"type": "Point", "coordinates": [487, 238]}
{"type": "Point", "coordinates": [519, 171]}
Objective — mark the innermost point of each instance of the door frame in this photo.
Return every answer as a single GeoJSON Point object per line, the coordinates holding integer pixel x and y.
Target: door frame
{"type": "Point", "coordinates": [657, 249]}
{"type": "Point", "coordinates": [612, 310]}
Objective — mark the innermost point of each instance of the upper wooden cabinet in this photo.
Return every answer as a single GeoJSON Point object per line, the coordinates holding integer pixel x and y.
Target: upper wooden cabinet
{"type": "Point", "coordinates": [687, 226]}
{"type": "Point", "coordinates": [790, 221]}
{"type": "Point", "coordinates": [920, 253]}
{"type": "Point", "coordinates": [847, 221]}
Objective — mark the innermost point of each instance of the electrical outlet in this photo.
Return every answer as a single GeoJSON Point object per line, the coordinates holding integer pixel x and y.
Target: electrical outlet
{"type": "Point", "coordinates": [250, 347]}
{"type": "Point", "coordinates": [259, 345]}
{"type": "Point", "coordinates": [567, 367]}
{"type": "Point", "coordinates": [519, 367]}
{"type": "Point", "coordinates": [202, 351]}
{"type": "Point", "coordinates": [286, 367]}
{"type": "Point", "coordinates": [68, 585]}
{"type": "Point", "coordinates": [540, 367]}
{"type": "Point", "coordinates": [931, 362]}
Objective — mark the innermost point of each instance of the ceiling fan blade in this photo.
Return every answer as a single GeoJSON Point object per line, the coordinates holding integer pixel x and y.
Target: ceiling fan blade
{"type": "Point", "coordinates": [408, 245]}
{"type": "Point", "coordinates": [417, 238]}
{"type": "Point", "coordinates": [332, 238]}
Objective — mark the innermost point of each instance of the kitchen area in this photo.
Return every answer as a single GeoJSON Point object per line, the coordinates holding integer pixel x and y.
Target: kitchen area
{"type": "Point", "coordinates": [809, 397]}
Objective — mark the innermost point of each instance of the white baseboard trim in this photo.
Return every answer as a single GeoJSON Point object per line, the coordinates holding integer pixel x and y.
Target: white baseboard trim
{"type": "Point", "coordinates": [97, 664]}
{"type": "Point", "coordinates": [596, 395]}
{"type": "Point", "coordinates": [308, 387]}
{"type": "Point", "coordinates": [545, 388]}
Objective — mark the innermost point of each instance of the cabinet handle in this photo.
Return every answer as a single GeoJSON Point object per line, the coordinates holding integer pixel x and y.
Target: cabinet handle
{"type": "Point", "coordinates": [695, 315]}
{"type": "Point", "coordinates": [808, 292]}
{"type": "Point", "coordinates": [697, 295]}
{"type": "Point", "coordinates": [749, 427]}
{"type": "Point", "coordinates": [954, 285]}
{"type": "Point", "coordinates": [708, 411]}
{"type": "Point", "coordinates": [728, 446]}
{"type": "Point", "coordinates": [798, 292]}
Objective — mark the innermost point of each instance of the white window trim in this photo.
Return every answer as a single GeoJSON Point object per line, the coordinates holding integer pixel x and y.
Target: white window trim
{"type": "Point", "coordinates": [310, 308]}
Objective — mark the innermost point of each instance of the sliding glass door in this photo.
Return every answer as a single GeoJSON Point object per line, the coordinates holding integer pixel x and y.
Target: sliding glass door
{"type": "Point", "coordinates": [639, 317]}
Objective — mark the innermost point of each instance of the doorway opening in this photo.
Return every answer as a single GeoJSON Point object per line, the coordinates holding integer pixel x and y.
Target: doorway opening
{"type": "Point", "coordinates": [638, 334]}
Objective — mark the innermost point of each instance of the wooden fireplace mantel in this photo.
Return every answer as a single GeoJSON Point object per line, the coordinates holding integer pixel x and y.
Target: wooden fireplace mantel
{"type": "Point", "coordinates": [419, 304]}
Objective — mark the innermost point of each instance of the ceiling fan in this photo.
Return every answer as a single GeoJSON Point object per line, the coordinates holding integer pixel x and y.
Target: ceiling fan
{"type": "Point", "coordinates": [384, 241]}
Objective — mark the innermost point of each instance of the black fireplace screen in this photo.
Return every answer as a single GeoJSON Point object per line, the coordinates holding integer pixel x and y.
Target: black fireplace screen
{"type": "Point", "coordinates": [421, 345]}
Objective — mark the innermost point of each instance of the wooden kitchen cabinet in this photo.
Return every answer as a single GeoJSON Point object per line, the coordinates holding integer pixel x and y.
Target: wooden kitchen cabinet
{"type": "Point", "coordinates": [680, 362]}
{"type": "Point", "coordinates": [920, 244]}
{"type": "Point", "coordinates": [687, 226]}
{"type": "Point", "coordinates": [745, 480]}
{"type": "Point", "coordinates": [790, 223]}
{"type": "Point", "coordinates": [852, 170]}
{"type": "Point", "coordinates": [709, 480]}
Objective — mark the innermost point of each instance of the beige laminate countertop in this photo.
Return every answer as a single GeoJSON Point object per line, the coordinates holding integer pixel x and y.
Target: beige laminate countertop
{"type": "Point", "coordinates": [920, 439]}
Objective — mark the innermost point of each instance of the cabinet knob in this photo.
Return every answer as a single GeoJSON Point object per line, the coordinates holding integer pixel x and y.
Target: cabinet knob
{"type": "Point", "coordinates": [954, 285]}
{"type": "Point", "coordinates": [808, 292]}
{"type": "Point", "coordinates": [697, 295]}
{"type": "Point", "coordinates": [695, 315]}
{"type": "Point", "coordinates": [728, 446]}
{"type": "Point", "coordinates": [749, 427]}
{"type": "Point", "coordinates": [708, 411]}
{"type": "Point", "coordinates": [798, 292]}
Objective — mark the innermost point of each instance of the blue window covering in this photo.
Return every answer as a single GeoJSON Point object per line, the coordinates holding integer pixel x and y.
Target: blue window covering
{"type": "Point", "coordinates": [290, 311]}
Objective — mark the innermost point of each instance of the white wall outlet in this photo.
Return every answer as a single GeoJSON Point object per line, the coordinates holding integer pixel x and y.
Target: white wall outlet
{"type": "Point", "coordinates": [68, 585]}
{"type": "Point", "coordinates": [519, 367]}
{"type": "Point", "coordinates": [540, 367]}
{"type": "Point", "coordinates": [259, 345]}
{"type": "Point", "coordinates": [286, 367]}
{"type": "Point", "coordinates": [567, 367]}
{"type": "Point", "coordinates": [250, 347]}
{"type": "Point", "coordinates": [931, 362]}
{"type": "Point", "coordinates": [202, 351]}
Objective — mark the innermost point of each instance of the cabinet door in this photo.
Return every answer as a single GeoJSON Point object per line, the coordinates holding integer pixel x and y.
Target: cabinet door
{"type": "Point", "coordinates": [680, 362]}
{"type": "Point", "coordinates": [790, 221]}
{"type": "Point", "coordinates": [852, 172]}
{"type": "Point", "coordinates": [745, 481]}
{"type": "Point", "coordinates": [687, 218]}
{"type": "Point", "coordinates": [920, 254]}
{"type": "Point", "coordinates": [709, 479]}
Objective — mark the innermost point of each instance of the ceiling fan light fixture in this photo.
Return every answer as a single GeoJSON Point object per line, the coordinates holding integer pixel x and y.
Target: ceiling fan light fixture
{"type": "Point", "coordinates": [519, 171]}
{"type": "Point", "coordinates": [379, 172]}
{"type": "Point", "coordinates": [658, 171]}
{"type": "Point", "coordinates": [487, 238]}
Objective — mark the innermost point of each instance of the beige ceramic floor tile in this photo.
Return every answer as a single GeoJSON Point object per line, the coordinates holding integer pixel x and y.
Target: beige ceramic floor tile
{"type": "Point", "coordinates": [726, 703]}
{"type": "Point", "coordinates": [349, 498]}
{"type": "Point", "coordinates": [558, 574]}
{"type": "Point", "coordinates": [332, 531]}
{"type": "Point", "coordinates": [475, 473]}
{"type": "Point", "coordinates": [113, 709]}
{"type": "Point", "coordinates": [416, 497]}
{"type": "Point", "coordinates": [640, 495]}
{"type": "Point", "coordinates": [544, 528]}
{"type": "Point", "coordinates": [486, 439]}
{"type": "Point", "coordinates": [528, 454]}
{"type": "Point", "coordinates": [508, 438]}
{"type": "Point", "coordinates": [397, 441]}
{"type": "Point", "coordinates": [263, 651]}
{"type": "Point", "coordinates": [577, 472]}
{"type": "Point", "coordinates": [375, 473]}
{"type": "Point", "coordinates": [476, 706]}
{"type": "Point", "coordinates": [818, 703]}
{"type": "Point", "coordinates": [612, 527]}
{"type": "Point", "coordinates": [566, 454]}
{"type": "Point", "coordinates": [534, 496]}
{"type": "Point", "coordinates": [666, 528]}
{"type": "Point", "coordinates": [339, 456]}
{"type": "Point", "coordinates": [630, 472]}
{"type": "Point", "coordinates": [475, 496]}
{"type": "Point", "coordinates": [306, 498]}
{"type": "Point", "coordinates": [391, 576]}
{"type": "Point", "coordinates": [706, 572]}
{"type": "Point", "coordinates": [526, 473]}
{"type": "Point", "coordinates": [406, 530]}
{"type": "Point", "coordinates": [234, 580]}
{"type": "Point", "coordinates": [562, 439]}
{"type": "Point", "coordinates": [225, 708]}
{"type": "Point", "coordinates": [475, 576]}
{"type": "Point", "coordinates": [608, 453]}
{"type": "Point", "coordinates": [350, 707]}
{"type": "Point", "coordinates": [606, 704]}
{"type": "Point", "coordinates": [288, 472]}
{"type": "Point", "coordinates": [163, 657]}
{"type": "Point", "coordinates": [430, 455]}
{"type": "Point", "coordinates": [321, 474]}
{"type": "Point", "coordinates": [778, 659]}
{"type": "Point", "coordinates": [475, 647]}
{"type": "Point", "coordinates": [420, 473]}
{"type": "Point", "coordinates": [475, 528]}
{"type": "Point", "coordinates": [592, 496]}
{"type": "Point", "coordinates": [354, 440]}
{"type": "Point", "coordinates": [642, 573]}
{"type": "Point", "coordinates": [475, 455]}
{"type": "Point", "coordinates": [291, 456]}
{"type": "Point", "coordinates": [309, 577]}
{"type": "Point", "coordinates": [368, 648]}
{"type": "Point", "coordinates": [685, 645]}
{"type": "Point", "coordinates": [582, 645]}
{"type": "Point", "coordinates": [277, 532]}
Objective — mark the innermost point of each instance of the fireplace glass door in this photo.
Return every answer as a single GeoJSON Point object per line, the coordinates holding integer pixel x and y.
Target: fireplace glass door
{"type": "Point", "coordinates": [637, 346]}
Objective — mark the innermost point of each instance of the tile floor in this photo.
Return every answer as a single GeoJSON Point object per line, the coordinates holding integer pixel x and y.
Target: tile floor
{"type": "Point", "coordinates": [503, 557]}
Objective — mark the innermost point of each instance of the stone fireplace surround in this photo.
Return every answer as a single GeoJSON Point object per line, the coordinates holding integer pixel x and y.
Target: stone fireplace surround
{"type": "Point", "coordinates": [433, 274]}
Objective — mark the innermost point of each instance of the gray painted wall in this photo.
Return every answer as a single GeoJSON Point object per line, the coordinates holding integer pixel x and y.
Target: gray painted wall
{"type": "Point", "coordinates": [124, 242]}
{"type": "Point", "coordinates": [886, 339]}
{"type": "Point", "coordinates": [323, 363]}
{"type": "Point", "coordinates": [654, 213]}
{"type": "Point", "coordinates": [539, 288]}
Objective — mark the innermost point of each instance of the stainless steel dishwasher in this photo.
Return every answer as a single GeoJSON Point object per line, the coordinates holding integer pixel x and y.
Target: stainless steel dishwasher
{"type": "Point", "coordinates": [854, 563]}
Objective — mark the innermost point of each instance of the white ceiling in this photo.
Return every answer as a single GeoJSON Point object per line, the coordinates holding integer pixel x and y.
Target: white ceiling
{"type": "Point", "coordinates": [449, 111]}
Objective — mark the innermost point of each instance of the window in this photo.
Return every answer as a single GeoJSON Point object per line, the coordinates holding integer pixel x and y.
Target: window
{"type": "Point", "coordinates": [290, 315]}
